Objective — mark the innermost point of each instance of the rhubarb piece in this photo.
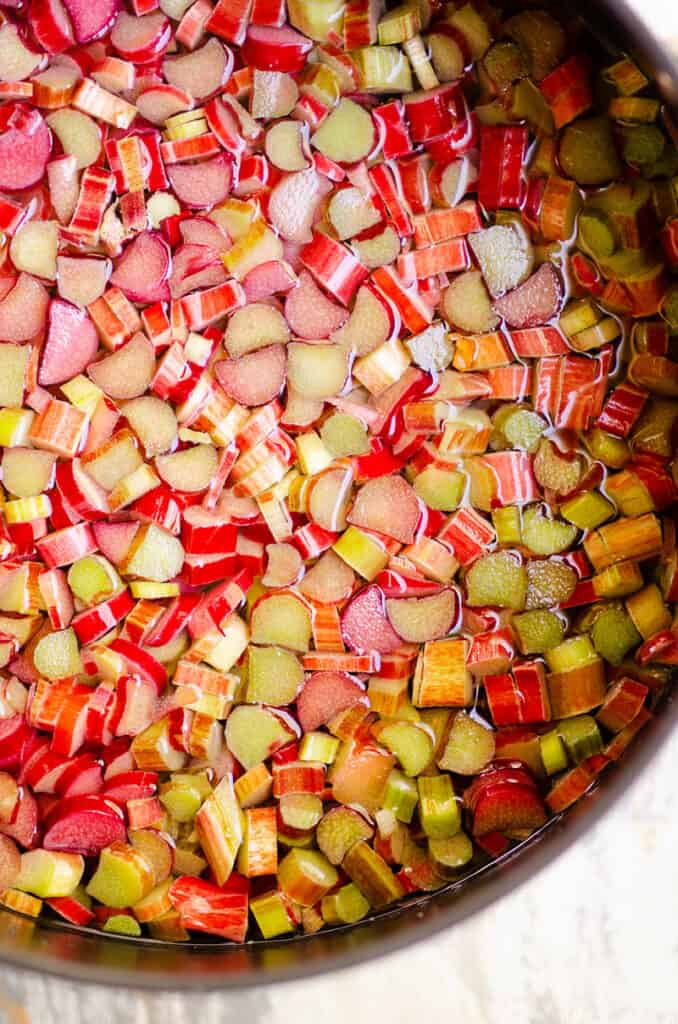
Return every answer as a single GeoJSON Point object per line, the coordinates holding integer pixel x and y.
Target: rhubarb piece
{"type": "Point", "coordinates": [324, 695]}
{"type": "Point", "coordinates": [374, 505]}
{"type": "Point", "coordinates": [253, 733]}
{"type": "Point", "coordinates": [91, 20]}
{"type": "Point", "coordinates": [126, 373]}
{"type": "Point", "coordinates": [310, 313]}
{"type": "Point", "coordinates": [469, 748]}
{"type": "Point", "coordinates": [497, 579]}
{"type": "Point", "coordinates": [504, 255]}
{"type": "Point", "coordinates": [417, 620]}
{"type": "Point", "coordinates": [305, 876]}
{"type": "Point", "coordinates": [79, 135]}
{"type": "Point", "coordinates": [347, 135]}
{"type": "Point", "coordinates": [201, 185]}
{"type": "Point", "coordinates": [142, 270]}
{"type": "Point", "coordinates": [84, 824]}
{"type": "Point", "coordinates": [587, 152]}
{"type": "Point", "coordinates": [25, 147]}
{"type": "Point", "coordinates": [316, 371]}
{"type": "Point", "coordinates": [34, 248]}
{"type": "Point", "coordinates": [534, 302]}
{"type": "Point", "coordinates": [365, 626]}
{"type": "Point", "coordinates": [23, 310]}
{"type": "Point", "coordinates": [255, 327]}
{"type": "Point", "coordinates": [466, 304]}
{"type": "Point", "coordinates": [70, 346]}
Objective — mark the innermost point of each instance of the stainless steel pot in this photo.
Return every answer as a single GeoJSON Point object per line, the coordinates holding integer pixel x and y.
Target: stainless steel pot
{"type": "Point", "coordinates": [73, 954]}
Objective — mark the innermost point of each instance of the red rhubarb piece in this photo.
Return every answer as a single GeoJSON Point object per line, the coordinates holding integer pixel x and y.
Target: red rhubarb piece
{"type": "Point", "coordinates": [267, 48]}
{"type": "Point", "coordinates": [140, 39]}
{"type": "Point", "coordinates": [142, 270]}
{"type": "Point", "coordinates": [71, 344]}
{"type": "Point", "coordinates": [206, 907]}
{"type": "Point", "coordinates": [324, 695]}
{"type": "Point", "coordinates": [268, 279]}
{"type": "Point", "coordinates": [202, 185]}
{"type": "Point", "coordinates": [387, 505]}
{"type": "Point", "coordinates": [23, 828]}
{"type": "Point", "coordinates": [365, 626]}
{"type": "Point", "coordinates": [91, 18]}
{"type": "Point", "coordinates": [310, 313]}
{"type": "Point", "coordinates": [50, 25]}
{"type": "Point", "coordinates": [255, 378]}
{"type": "Point", "coordinates": [534, 302]}
{"type": "Point", "coordinates": [85, 825]}
{"type": "Point", "coordinates": [23, 310]}
{"type": "Point", "coordinates": [25, 146]}
{"type": "Point", "coordinates": [134, 785]}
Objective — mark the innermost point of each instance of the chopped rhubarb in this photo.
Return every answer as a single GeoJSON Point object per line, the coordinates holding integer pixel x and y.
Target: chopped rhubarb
{"type": "Point", "coordinates": [337, 430]}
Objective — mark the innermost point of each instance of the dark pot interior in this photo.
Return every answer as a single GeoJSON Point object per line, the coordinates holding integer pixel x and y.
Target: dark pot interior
{"type": "Point", "coordinates": [75, 953]}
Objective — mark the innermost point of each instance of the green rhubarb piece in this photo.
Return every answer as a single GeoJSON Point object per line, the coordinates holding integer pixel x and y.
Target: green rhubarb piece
{"type": "Point", "coordinates": [274, 675]}
{"type": "Point", "coordinates": [581, 737]}
{"type": "Point", "coordinates": [549, 582]}
{"type": "Point", "coordinates": [318, 746]}
{"type": "Point", "coordinates": [612, 451]}
{"type": "Point", "coordinates": [340, 828]}
{"type": "Point", "coordinates": [653, 431]}
{"type": "Point", "coordinates": [497, 579]}
{"type": "Point", "coordinates": [588, 153]}
{"type": "Point", "coordinates": [643, 144]}
{"type": "Point", "coordinates": [528, 104]}
{"type": "Point", "coordinates": [596, 233]}
{"type": "Point", "coordinates": [120, 880]}
{"type": "Point", "coordinates": [553, 753]}
{"type": "Point", "coordinates": [669, 308]}
{"type": "Point", "coordinates": [441, 489]}
{"type": "Point", "coordinates": [345, 906]}
{"type": "Point", "coordinates": [183, 795]}
{"type": "Point", "coordinates": [541, 38]}
{"type": "Point", "coordinates": [575, 652]}
{"type": "Point", "coordinates": [665, 167]}
{"type": "Point", "coordinates": [470, 746]}
{"type": "Point", "coordinates": [613, 633]}
{"type": "Point", "coordinates": [450, 854]}
{"type": "Point", "coordinates": [93, 579]}
{"type": "Point", "coordinates": [412, 745]}
{"type": "Point", "coordinates": [507, 522]}
{"type": "Point", "coordinates": [271, 915]}
{"type": "Point", "coordinates": [344, 435]}
{"type": "Point", "coordinates": [48, 873]}
{"type": "Point", "coordinates": [587, 510]}
{"type": "Point", "coordinates": [504, 63]}
{"type": "Point", "coordinates": [438, 808]}
{"type": "Point", "coordinates": [401, 795]}
{"type": "Point", "coordinates": [300, 810]}
{"type": "Point", "coordinates": [538, 631]}
{"type": "Point", "coordinates": [544, 536]}
{"type": "Point", "coordinates": [122, 924]}
{"type": "Point", "coordinates": [523, 428]}
{"type": "Point", "coordinates": [578, 315]}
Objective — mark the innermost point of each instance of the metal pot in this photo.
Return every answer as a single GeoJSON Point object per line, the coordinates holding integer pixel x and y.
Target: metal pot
{"type": "Point", "coordinates": [74, 954]}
